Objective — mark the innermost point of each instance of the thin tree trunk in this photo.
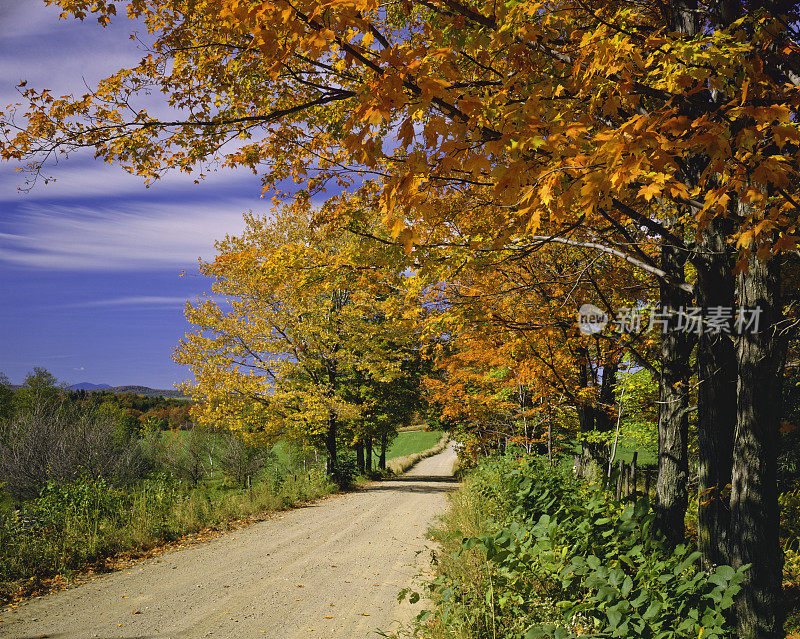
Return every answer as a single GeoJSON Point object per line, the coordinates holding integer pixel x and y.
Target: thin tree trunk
{"type": "Point", "coordinates": [368, 451]}
{"type": "Point", "coordinates": [382, 458]}
{"type": "Point", "coordinates": [586, 419]}
{"type": "Point", "coordinates": [754, 495]}
{"type": "Point", "coordinates": [716, 364]}
{"type": "Point", "coordinates": [591, 462]}
{"type": "Point", "coordinates": [330, 437]}
{"type": "Point", "coordinates": [671, 498]}
{"type": "Point", "coordinates": [330, 446]}
{"type": "Point", "coordinates": [616, 434]}
{"type": "Point", "coordinates": [360, 456]}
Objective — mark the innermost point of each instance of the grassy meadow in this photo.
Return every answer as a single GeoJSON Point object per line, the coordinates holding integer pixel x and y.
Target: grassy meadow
{"type": "Point", "coordinates": [412, 441]}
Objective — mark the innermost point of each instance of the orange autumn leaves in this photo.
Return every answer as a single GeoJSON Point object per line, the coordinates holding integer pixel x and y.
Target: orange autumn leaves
{"type": "Point", "coordinates": [530, 110]}
{"type": "Point", "coordinates": [473, 129]}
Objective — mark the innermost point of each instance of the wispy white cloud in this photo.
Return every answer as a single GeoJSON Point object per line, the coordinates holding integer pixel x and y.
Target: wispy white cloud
{"type": "Point", "coordinates": [133, 300]}
{"type": "Point", "coordinates": [27, 18]}
{"type": "Point", "coordinates": [137, 236]}
{"type": "Point", "coordinates": [82, 177]}
{"type": "Point", "coordinates": [59, 54]}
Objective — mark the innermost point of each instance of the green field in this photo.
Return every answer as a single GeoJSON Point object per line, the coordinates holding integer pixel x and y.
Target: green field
{"type": "Point", "coordinates": [410, 442]}
{"type": "Point", "coordinates": [646, 456]}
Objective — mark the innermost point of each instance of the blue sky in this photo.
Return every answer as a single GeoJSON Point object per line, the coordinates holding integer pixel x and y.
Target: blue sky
{"type": "Point", "coordinates": [90, 265]}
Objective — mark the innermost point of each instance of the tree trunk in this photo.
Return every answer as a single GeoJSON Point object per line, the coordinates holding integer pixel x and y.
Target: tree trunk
{"type": "Point", "coordinates": [382, 458]}
{"type": "Point", "coordinates": [330, 436]}
{"type": "Point", "coordinates": [368, 451]}
{"type": "Point", "coordinates": [584, 465]}
{"type": "Point", "coordinates": [330, 446]}
{"type": "Point", "coordinates": [674, 392]}
{"type": "Point", "coordinates": [716, 364]}
{"type": "Point", "coordinates": [360, 457]}
{"type": "Point", "coordinates": [591, 462]}
{"type": "Point", "coordinates": [754, 495]}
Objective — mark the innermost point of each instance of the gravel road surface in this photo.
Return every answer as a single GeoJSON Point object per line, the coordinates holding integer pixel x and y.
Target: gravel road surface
{"type": "Point", "coordinates": [331, 569]}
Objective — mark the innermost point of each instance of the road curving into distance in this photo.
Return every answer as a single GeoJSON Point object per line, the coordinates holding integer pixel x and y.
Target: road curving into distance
{"type": "Point", "coordinates": [331, 569]}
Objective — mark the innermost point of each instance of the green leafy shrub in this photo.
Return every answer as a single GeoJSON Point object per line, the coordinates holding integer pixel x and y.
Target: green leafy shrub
{"type": "Point", "coordinates": [565, 560]}
{"type": "Point", "coordinates": [790, 518]}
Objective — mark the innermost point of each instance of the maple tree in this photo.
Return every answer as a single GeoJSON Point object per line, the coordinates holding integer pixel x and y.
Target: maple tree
{"type": "Point", "coordinates": [593, 125]}
{"type": "Point", "coordinates": [289, 330]}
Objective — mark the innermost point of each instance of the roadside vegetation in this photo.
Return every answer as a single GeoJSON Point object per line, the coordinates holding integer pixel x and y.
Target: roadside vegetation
{"type": "Point", "coordinates": [535, 546]}
{"type": "Point", "coordinates": [528, 551]}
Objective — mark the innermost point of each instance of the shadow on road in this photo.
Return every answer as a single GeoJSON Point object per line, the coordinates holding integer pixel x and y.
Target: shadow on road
{"type": "Point", "coordinates": [415, 484]}
{"type": "Point", "coordinates": [427, 478]}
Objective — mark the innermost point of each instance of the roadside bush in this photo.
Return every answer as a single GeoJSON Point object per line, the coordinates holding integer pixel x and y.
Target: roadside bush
{"type": "Point", "coordinates": [242, 461]}
{"type": "Point", "coordinates": [51, 445]}
{"type": "Point", "coordinates": [186, 454]}
{"type": "Point", "coordinates": [789, 502]}
{"type": "Point", "coordinates": [553, 558]}
{"type": "Point", "coordinates": [346, 468]}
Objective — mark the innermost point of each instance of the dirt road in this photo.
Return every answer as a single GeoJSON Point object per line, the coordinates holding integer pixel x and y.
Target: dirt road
{"type": "Point", "coordinates": [332, 569]}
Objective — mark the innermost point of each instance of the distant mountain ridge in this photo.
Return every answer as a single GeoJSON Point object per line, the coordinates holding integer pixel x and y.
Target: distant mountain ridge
{"type": "Point", "coordinates": [149, 392]}
{"type": "Point", "coordinates": [88, 386]}
{"type": "Point", "coordinates": [136, 390]}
